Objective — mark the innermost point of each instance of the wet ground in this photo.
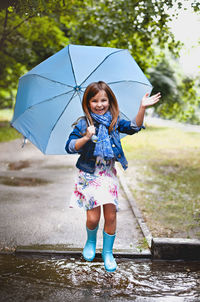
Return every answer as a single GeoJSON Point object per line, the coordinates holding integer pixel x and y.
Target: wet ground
{"type": "Point", "coordinates": [60, 279]}
{"type": "Point", "coordinates": [35, 191]}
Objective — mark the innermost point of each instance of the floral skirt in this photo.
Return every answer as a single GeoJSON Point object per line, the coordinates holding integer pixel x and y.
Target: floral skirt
{"type": "Point", "coordinates": [99, 188]}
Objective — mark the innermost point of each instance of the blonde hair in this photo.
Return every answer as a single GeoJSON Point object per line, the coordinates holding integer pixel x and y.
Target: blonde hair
{"type": "Point", "coordinates": [91, 91]}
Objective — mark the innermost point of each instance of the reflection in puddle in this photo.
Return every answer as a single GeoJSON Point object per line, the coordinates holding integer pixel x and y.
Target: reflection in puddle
{"type": "Point", "coordinates": [22, 182]}
{"type": "Point", "coordinates": [58, 279]}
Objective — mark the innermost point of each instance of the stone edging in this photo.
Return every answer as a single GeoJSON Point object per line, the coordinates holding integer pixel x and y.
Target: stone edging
{"type": "Point", "coordinates": [134, 208]}
{"type": "Point", "coordinates": [77, 253]}
{"type": "Point", "coordinates": [175, 249]}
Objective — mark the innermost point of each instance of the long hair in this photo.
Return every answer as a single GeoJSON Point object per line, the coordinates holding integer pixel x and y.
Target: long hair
{"type": "Point", "coordinates": [91, 91]}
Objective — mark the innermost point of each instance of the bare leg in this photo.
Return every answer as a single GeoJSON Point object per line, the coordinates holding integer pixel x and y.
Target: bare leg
{"type": "Point", "coordinates": [110, 218]}
{"type": "Point", "coordinates": [93, 217]}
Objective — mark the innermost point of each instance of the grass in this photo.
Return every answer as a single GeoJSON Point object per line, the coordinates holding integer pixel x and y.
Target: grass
{"type": "Point", "coordinates": [6, 115]}
{"type": "Point", "coordinates": [7, 133]}
{"type": "Point", "coordinates": [163, 175]}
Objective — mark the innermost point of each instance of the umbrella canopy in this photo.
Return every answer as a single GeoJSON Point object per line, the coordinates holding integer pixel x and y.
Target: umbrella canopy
{"type": "Point", "coordinates": [49, 96]}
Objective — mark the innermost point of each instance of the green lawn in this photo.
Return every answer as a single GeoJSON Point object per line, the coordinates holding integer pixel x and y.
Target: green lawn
{"type": "Point", "coordinates": [7, 133]}
{"type": "Point", "coordinates": [164, 177]}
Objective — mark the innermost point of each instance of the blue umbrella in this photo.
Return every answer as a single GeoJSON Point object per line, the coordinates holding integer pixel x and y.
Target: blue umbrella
{"type": "Point", "coordinates": [49, 96]}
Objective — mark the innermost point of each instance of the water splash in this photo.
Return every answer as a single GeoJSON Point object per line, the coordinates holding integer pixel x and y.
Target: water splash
{"type": "Point", "coordinates": [53, 279]}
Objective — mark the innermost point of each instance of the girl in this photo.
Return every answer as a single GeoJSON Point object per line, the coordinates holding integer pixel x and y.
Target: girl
{"type": "Point", "coordinates": [99, 147]}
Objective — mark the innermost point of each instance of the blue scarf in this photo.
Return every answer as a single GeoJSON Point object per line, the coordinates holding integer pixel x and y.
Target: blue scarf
{"type": "Point", "coordinates": [103, 146]}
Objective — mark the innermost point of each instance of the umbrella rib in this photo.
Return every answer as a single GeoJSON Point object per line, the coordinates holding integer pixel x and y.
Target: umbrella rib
{"type": "Point", "coordinates": [47, 100]}
{"type": "Point", "coordinates": [80, 98]}
{"type": "Point", "coordinates": [43, 102]}
{"type": "Point", "coordinates": [72, 66]}
{"type": "Point", "coordinates": [101, 64]}
{"type": "Point", "coordinates": [60, 116]}
{"type": "Point", "coordinates": [125, 116]}
{"type": "Point", "coordinates": [129, 81]}
{"type": "Point", "coordinates": [35, 74]}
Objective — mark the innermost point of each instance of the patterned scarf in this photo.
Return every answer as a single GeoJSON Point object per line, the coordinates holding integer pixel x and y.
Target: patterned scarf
{"type": "Point", "coordinates": [103, 146]}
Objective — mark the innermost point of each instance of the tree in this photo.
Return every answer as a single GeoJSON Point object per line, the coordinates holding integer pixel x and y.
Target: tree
{"type": "Point", "coordinates": [33, 30]}
{"type": "Point", "coordinates": [180, 94]}
{"type": "Point", "coordinates": [30, 33]}
{"type": "Point", "coordinates": [163, 79]}
{"type": "Point", "coordinates": [136, 25]}
{"type": "Point", "coordinates": [190, 97]}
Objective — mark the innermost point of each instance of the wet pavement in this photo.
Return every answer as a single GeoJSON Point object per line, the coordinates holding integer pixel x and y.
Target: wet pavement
{"type": "Point", "coordinates": [34, 205]}
{"type": "Point", "coordinates": [60, 279]}
{"type": "Point", "coordinates": [159, 122]}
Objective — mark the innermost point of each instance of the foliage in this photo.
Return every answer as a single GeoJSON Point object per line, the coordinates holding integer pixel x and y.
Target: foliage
{"type": "Point", "coordinates": [31, 31]}
{"type": "Point", "coordinates": [7, 133]}
{"type": "Point", "coordinates": [135, 25]}
{"type": "Point", "coordinates": [190, 96]}
{"type": "Point", "coordinates": [180, 94]}
{"type": "Point", "coordinates": [6, 115]}
{"type": "Point", "coordinates": [24, 42]}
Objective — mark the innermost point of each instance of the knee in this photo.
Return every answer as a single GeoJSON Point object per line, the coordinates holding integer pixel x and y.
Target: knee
{"type": "Point", "coordinates": [110, 218]}
{"type": "Point", "coordinates": [92, 221]}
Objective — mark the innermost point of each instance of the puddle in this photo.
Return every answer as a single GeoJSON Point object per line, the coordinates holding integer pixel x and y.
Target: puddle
{"type": "Point", "coordinates": [59, 167]}
{"type": "Point", "coordinates": [22, 182]}
{"type": "Point", "coordinates": [19, 165]}
{"type": "Point", "coordinates": [61, 279]}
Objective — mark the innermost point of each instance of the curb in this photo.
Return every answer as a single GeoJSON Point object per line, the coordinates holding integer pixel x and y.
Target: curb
{"type": "Point", "coordinates": [175, 249]}
{"type": "Point", "coordinates": [136, 212]}
{"type": "Point", "coordinates": [161, 248]}
{"type": "Point", "coordinates": [76, 253]}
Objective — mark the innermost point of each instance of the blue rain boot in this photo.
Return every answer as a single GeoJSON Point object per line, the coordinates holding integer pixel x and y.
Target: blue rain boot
{"type": "Point", "coordinates": [107, 255]}
{"type": "Point", "coordinates": [90, 246]}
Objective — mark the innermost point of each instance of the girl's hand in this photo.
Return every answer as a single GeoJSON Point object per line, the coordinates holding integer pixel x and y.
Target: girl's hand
{"type": "Point", "coordinates": [80, 142]}
{"type": "Point", "coordinates": [90, 132]}
{"type": "Point", "coordinates": [149, 101]}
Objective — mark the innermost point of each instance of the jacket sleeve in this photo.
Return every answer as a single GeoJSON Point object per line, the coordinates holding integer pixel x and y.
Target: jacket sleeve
{"type": "Point", "coordinates": [71, 146]}
{"type": "Point", "coordinates": [77, 133]}
{"type": "Point", "coordinates": [129, 127]}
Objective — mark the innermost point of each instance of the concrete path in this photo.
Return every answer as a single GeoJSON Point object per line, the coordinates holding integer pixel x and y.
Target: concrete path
{"type": "Point", "coordinates": [159, 122]}
{"type": "Point", "coordinates": [40, 215]}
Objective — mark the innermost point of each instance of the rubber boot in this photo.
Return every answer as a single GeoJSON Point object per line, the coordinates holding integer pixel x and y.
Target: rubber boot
{"type": "Point", "coordinates": [90, 246]}
{"type": "Point", "coordinates": [107, 255]}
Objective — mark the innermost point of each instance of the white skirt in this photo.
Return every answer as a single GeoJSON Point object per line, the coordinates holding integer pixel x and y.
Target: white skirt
{"type": "Point", "coordinates": [99, 188]}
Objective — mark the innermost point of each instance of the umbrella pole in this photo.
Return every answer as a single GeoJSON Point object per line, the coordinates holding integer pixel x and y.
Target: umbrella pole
{"type": "Point", "coordinates": [94, 138]}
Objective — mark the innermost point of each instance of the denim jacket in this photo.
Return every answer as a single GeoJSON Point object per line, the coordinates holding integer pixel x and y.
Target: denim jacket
{"type": "Point", "coordinates": [86, 161]}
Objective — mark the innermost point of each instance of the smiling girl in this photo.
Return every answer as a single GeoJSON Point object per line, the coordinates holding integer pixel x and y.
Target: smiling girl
{"type": "Point", "coordinates": [97, 182]}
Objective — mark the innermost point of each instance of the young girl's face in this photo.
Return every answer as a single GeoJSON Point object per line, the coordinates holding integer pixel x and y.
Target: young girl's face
{"type": "Point", "coordinates": [99, 103]}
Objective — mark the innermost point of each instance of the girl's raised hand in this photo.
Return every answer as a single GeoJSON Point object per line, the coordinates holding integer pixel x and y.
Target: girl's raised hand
{"type": "Point", "coordinates": [149, 101]}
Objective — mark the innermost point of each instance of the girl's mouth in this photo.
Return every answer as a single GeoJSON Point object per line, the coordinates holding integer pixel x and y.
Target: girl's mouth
{"type": "Point", "coordinates": [100, 110]}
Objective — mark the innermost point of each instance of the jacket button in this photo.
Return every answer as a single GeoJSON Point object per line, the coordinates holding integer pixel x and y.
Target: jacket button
{"type": "Point", "coordinates": [119, 156]}
{"type": "Point", "coordinates": [113, 145]}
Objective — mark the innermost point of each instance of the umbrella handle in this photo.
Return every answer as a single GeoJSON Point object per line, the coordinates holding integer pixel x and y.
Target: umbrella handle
{"type": "Point", "coordinates": [94, 138]}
